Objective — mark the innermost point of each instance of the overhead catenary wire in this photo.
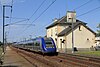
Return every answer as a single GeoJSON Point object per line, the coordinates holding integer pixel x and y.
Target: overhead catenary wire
{"type": "Point", "coordinates": [41, 14]}
{"type": "Point", "coordinates": [30, 16]}
{"type": "Point", "coordinates": [19, 24]}
{"type": "Point", "coordinates": [83, 4]}
{"type": "Point", "coordinates": [11, 11]}
{"type": "Point", "coordinates": [44, 11]}
{"type": "Point", "coordinates": [16, 22]}
{"type": "Point", "coordinates": [0, 10]}
{"type": "Point", "coordinates": [10, 19]}
{"type": "Point", "coordinates": [0, 7]}
{"type": "Point", "coordinates": [15, 17]}
{"type": "Point", "coordinates": [37, 9]}
{"type": "Point", "coordinates": [33, 13]}
{"type": "Point", "coordinates": [18, 18]}
{"type": "Point", "coordinates": [23, 24]}
{"type": "Point", "coordinates": [89, 11]}
{"type": "Point", "coordinates": [83, 13]}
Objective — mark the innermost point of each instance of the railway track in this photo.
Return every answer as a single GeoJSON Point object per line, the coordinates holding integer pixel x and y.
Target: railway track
{"type": "Point", "coordinates": [41, 60]}
{"type": "Point", "coordinates": [62, 60]}
{"type": "Point", "coordinates": [90, 61]}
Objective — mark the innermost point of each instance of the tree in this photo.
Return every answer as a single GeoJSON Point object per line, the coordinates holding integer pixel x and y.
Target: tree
{"type": "Point", "coordinates": [1, 43]}
{"type": "Point", "coordinates": [98, 31]}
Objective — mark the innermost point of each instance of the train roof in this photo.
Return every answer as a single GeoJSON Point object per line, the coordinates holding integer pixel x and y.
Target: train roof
{"type": "Point", "coordinates": [31, 40]}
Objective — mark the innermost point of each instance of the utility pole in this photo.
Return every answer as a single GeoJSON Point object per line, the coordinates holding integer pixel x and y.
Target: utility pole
{"type": "Point", "coordinates": [72, 38]}
{"type": "Point", "coordinates": [5, 38]}
{"type": "Point", "coordinates": [4, 26]}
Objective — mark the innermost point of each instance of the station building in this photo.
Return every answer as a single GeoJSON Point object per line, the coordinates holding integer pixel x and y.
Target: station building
{"type": "Point", "coordinates": [61, 31]}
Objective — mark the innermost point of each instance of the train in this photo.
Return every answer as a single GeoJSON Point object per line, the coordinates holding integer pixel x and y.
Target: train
{"type": "Point", "coordinates": [42, 45]}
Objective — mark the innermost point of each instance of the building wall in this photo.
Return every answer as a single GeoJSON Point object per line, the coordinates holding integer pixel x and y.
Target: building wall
{"type": "Point", "coordinates": [71, 16]}
{"type": "Point", "coordinates": [83, 38]}
{"type": "Point", "coordinates": [61, 28]}
{"type": "Point", "coordinates": [53, 31]}
{"type": "Point", "coordinates": [62, 47]}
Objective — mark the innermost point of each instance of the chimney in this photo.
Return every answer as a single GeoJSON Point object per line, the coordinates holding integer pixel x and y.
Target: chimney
{"type": "Point", "coordinates": [71, 16]}
{"type": "Point", "coordinates": [54, 20]}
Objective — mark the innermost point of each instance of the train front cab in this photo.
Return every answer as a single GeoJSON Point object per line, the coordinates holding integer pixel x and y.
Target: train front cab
{"type": "Point", "coordinates": [48, 46]}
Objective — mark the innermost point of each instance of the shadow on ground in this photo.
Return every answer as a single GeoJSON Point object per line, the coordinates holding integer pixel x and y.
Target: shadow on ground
{"type": "Point", "coordinates": [9, 66]}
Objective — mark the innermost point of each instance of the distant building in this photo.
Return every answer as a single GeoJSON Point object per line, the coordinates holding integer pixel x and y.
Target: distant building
{"type": "Point", "coordinates": [61, 32]}
{"type": "Point", "coordinates": [97, 41]}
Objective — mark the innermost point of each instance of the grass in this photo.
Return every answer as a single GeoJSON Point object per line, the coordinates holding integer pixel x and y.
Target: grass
{"type": "Point", "coordinates": [1, 56]}
{"type": "Point", "coordinates": [90, 53]}
{"type": "Point", "coordinates": [0, 50]}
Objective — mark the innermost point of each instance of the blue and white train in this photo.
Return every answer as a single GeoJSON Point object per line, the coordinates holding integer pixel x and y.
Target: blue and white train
{"type": "Point", "coordinates": [41, 44]}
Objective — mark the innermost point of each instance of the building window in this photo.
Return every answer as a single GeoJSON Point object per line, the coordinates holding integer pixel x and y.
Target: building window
{"type": "Point", "coordinates": [69, 19]}
{"type": "Point", "coordinates": [79, 28]}
{"type": "Point", "coordinates": [51, 32]}
{"type": "Point", "coordinates": [55, 31]}
{"type": "Point", "coordinates": [61, 43]}
{"type": "Point", "coordinates": [87, 39]}
{"type": "Point", "coordinates": [56, 40]}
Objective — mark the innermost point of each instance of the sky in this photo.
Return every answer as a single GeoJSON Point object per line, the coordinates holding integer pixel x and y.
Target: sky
{"type": "Point", "coordinates": [22, 11]}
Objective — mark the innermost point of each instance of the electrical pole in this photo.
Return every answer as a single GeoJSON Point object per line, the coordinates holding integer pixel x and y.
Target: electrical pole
{"type": "Point", "coordinates": [72, 38]}
{"type": "Point", "coordinates": [3, 27]}
{"type": "Point", "coordinates": [5, 38]}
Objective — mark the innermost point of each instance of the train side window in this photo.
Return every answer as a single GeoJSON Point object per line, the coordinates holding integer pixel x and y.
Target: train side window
{"type": "Point", "coordinates": [33, 43]}
{"type": "Point", "coordinates": [30, 44]}
{"type": "Point", "coordinates": [37, 43]}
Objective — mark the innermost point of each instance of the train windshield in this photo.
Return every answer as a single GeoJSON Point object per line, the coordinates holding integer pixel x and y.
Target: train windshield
{"type": "Point", "coordinates": [49, 43]}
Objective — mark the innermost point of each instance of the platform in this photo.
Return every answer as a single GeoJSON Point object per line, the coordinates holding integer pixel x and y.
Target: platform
{"type": "Point", "coordinates": [13, 59]}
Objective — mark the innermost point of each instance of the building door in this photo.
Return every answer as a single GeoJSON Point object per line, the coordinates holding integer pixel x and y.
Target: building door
{"type": "Point", "coordinates": [56, 42]}
{"type": "Point", "coordinates": [61, 44]}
